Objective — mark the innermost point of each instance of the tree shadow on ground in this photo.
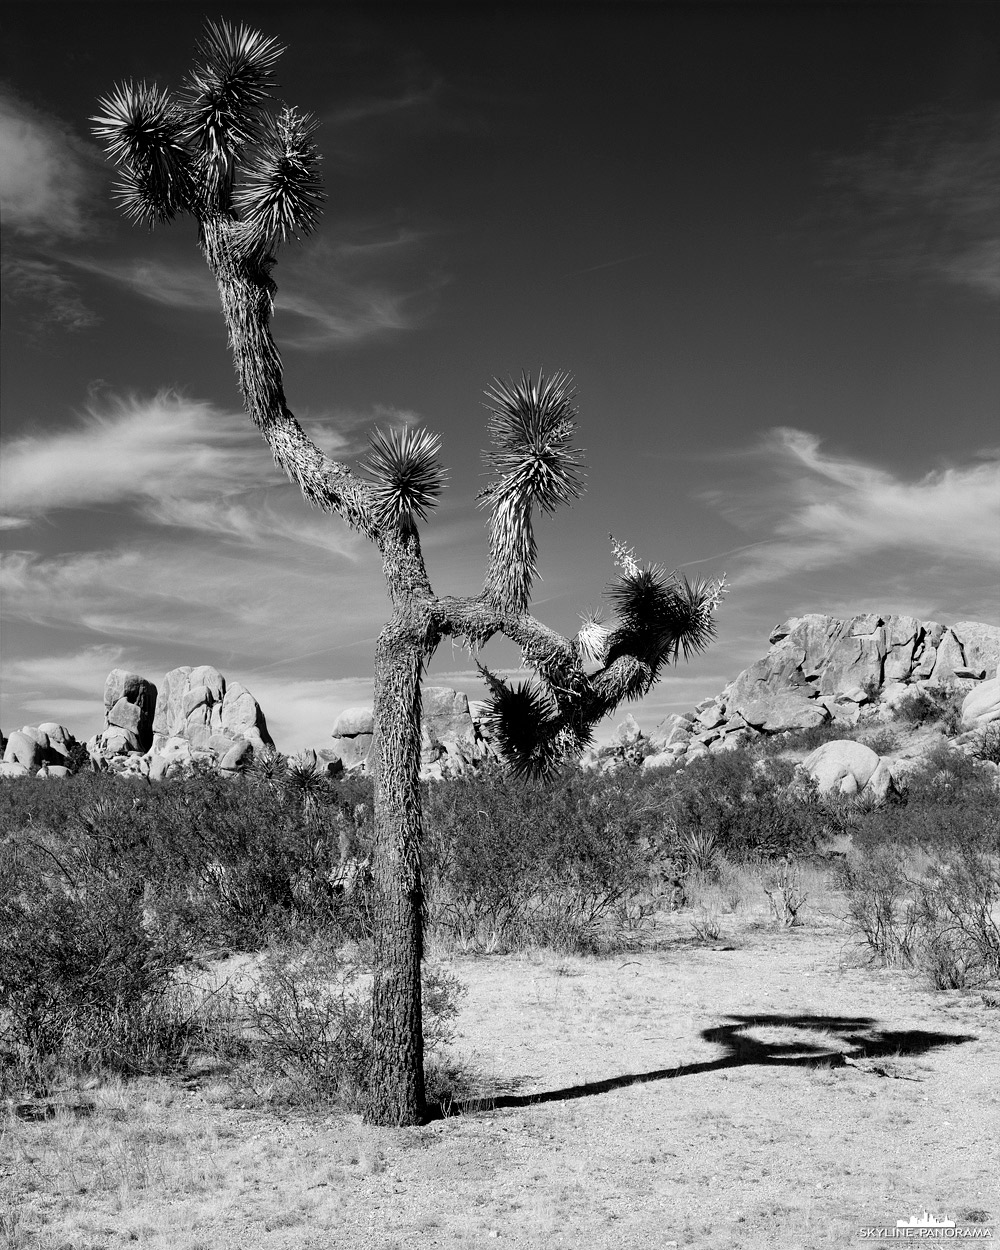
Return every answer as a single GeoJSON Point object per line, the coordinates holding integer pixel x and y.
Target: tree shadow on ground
{"type": "Point", "coordinates": [853, 1038]}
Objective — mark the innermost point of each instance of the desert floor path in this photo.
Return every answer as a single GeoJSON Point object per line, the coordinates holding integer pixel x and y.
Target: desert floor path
{"type": "Point", "coordinates": [697, 1095]}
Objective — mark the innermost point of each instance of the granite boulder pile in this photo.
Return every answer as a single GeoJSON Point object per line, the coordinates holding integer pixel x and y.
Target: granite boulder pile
{"type": "Point", "coordinates": [454, 737]}
{"type": "Point", "coordinates": [822, 669]}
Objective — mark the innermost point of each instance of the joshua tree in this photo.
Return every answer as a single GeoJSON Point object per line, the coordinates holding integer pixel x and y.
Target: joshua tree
{"type": "Point", "coordinates": [245, 168]}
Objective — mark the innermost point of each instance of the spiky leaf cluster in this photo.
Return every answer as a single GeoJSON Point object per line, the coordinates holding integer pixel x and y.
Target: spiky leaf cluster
{"type": "Point", "coordinates": [531, 428]}
{"type": "Point", "coordinates": [215, 150]}
{"type": "Point", "coordinates": [592, 639]}
{"type": "Point", "coordinates": [660, 617]}
{"type": "Point", "coordinates": [525, 726]}
{"type": "Point", "coordinates": [281, 192]}
{"type": "Point", "coordinates": [143, 132]}
{"type": "Point", "coordinates": [222, 101]}
{"type": "Point", "coordinates": [408, 478]}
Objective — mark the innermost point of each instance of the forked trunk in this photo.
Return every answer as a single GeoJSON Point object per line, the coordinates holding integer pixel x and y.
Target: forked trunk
{"type": "Point", "coordinates": [397, 1075]}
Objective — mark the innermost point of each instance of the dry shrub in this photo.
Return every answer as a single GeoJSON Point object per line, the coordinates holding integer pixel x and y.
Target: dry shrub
{"type": "Point", "coordinates": [306, 1020]}
{"type": "Point", "coordinates": [942, 920]}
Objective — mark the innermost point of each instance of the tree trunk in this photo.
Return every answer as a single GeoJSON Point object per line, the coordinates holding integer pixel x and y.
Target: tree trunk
{"type": "Point", "coordinates": [397, 1077]}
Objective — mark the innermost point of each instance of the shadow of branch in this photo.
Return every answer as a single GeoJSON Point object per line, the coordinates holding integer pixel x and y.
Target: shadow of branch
{"type": "Point", "coordinates": [857, 1037]}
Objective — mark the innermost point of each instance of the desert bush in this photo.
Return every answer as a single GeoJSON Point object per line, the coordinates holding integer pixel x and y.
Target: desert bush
{"type": "Point", "coordinates": [746, 807]}
{"type": "Point", "coordinates": [804, 739]}
{"type": "Point", "coordinates": [880, 903]}
{"type": "Point", "coordinates": [985, 744]}
{"type": "Point", "coordinates": [883, 742]}
{"type": "Point", "coordinates": [306, 1020]}
{"type": "Point", "coordinates": [83, 982]}
{"type": "Point", "coordinates": [950, 801]}
{"type": "Point", "coordinates": [941, 919]}
{"type": "Point", "coordinates": [230, 863]}
{"type": "Point", "coordinates": [785, 890]}
{"type": "Point", "coordinates": [933, 704]}
{"type": "Point", "coordinates": [509, 865]}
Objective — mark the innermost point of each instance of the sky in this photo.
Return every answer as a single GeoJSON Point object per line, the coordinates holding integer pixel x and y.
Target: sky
{"type": "Point", "coordinates": [764, 239]}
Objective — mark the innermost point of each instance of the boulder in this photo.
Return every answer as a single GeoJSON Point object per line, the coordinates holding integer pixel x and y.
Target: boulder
{"type": "Point", "coordinates": [841, 708]}
{"type": "Point", "coordinates": [950, 658]}
{"type": "Point", "coordinates": [980, 646]}
{"type": "Point", "coordinates": [61, 741]}
{"type": "Point", "coordinates": [925, 652]}
{"type": "Point", "coordinates": [353, 721]}
{"type": "Point", "coordinates": [882, 782]}
{"type": "Point", "coordinates": [52, 770]}
{"type": "Point", "coordinates": [678, 734]}
{"type": "Point", "coordinates": [125, 715]}
{"type": "Point", "coordinates": [782, 712]}
{"type": "Point", "coordinates": [711, 716]}
{"type": "Point", "coordinates": [981, 706]}
{"type": "Point", "coordinates": [169, 717]}
{"type": "Point", "coordinates": [11, 768]}
{"type": "Point", "coordinates": [446, 712]}
{"type": "Point", "coordinates": [239, 754]}
{"type": "Point", "coordinates": [842, 765]}
{"type": "Point", "coordinates": [453, 740]}
{"type": "Point", "coordinates": [130, 703]}
{"type": "Point", "coordinates": [24, 749]}
{"type": "Point", "coordinates": [241, 716]}
{"type": "Point", "coordinates": [211, 679]}
{"type": "Point", "coordinates": [895, 693]}
{"type": "Point", "coordinates": [661, 759]}
{"type": "Point", "coordinates": [353, 752]}
{"type": "Point", "coordinates": [902, 633]}
{"type": "Point", "coordinates": [117, 741]}
{"type": "Point", "coordinates": [627, 731]}
{"type": "Point", "coordinates": [854, 666]}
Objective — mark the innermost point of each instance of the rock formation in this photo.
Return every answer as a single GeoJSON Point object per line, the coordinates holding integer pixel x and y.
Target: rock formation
{"type": "Point", "coordinates": [848, 767]}
{"type": "Point", "coordinates": [129, 701]}
{"type": "Point", "coordinates": [821, 669]}
{"type": "Point", "coordinates": [200, 716]}
{"type": "Point", "coordinates": [981, 706]}
{"type": "Point", "coordinates": [43, 750]}
{"type": "Point", "coordinates": [453, 739]}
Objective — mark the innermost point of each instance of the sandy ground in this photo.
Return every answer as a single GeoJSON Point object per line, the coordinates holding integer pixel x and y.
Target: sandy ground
{"type": "Point", "coordinates": [692, 1096]}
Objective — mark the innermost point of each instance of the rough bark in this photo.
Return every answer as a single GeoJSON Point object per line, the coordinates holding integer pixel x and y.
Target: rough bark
{"type": "Point", "coordinates": [397, 1079]}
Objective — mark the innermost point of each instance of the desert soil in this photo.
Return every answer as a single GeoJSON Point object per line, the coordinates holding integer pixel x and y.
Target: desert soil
{"type": "Point", "coordinates": [696, 1095]}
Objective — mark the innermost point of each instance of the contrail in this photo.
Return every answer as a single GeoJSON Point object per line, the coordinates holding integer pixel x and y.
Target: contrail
{"type": "Point", "coordinates": [764, 542]}
{"type": "Point", "coordinates": [608, 264]}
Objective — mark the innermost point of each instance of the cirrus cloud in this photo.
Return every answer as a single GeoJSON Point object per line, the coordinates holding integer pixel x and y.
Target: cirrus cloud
{"type": "Point", "coordinates": [815, 509]}
{"type": "Point", "coordinates": [180, 462]}
{"type": "Point", "coordinates": [47, 173]}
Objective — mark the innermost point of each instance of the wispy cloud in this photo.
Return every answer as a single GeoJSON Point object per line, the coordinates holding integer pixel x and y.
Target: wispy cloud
{"type": "Point", "coordinates": [815, 509]}
{"type": "Point", "coordinates": [56, 298]}
{"type": "Point", "coordinates": [177, 286]}
{"type": "Point", "coordinates": [199, 601]}
{"type": "Point", "coordinates": [47, 173]}
{"type": "Point", "coordinates": [924, 198]}
{"type": "Point", "coordinates": [328, 295]}
{"type": "Point", "coordinates": [375, 107]}
{"type": "Point", "coordinates": [180, 462]}
{"type": "Point", "coordinates": [135, 450]}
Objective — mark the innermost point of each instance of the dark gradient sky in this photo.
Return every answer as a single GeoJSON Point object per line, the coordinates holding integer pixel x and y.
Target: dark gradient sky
{"type": "Point", "coordinates": [764, 239]}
